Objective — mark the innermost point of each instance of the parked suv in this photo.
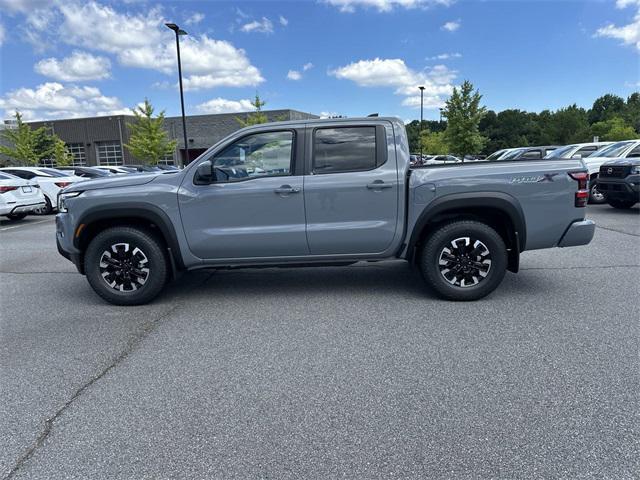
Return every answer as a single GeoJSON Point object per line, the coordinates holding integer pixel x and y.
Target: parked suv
{"type": "Point", "coordinates": [619, 181]}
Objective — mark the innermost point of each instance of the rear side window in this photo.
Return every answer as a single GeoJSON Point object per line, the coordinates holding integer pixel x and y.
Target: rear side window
{"type": "Point", "coordinates": [22, 174]}
{"type": "Point", "coordinates": [635, 153]}
{"type": "Point", "coordinates": [345, 149]}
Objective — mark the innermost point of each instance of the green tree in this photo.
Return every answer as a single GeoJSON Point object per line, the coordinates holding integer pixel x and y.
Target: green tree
{"type": "Point", "coordinates": [606, 107]}
{"type": "Point", "coordinates": [464, 113]}
{"type": "Point", "coordinates": [19, 143]}
{"type": "Point", "coordinates": [61, 154]}
{"type": "Point", "coordinates": [568, 125]}
{"type": "Point", "coordinates": [614, 129]}
{"type": "Point", "coordinates": [632, 111]}
{"type": "Point", "coordinates": [413, 131]}
{"type": "Point", "coordinates": [148, 140]}
{"type": "Point", "coordinates": [256, 117]}
{"type": "Point", "coordinates": [434, 143]}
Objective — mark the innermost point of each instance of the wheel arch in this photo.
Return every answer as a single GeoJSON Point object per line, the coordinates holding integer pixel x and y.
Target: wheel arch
{"type": "Point", "coordinates": [151, 217]}
{"type": "Point", "coordinates": [496, 209]}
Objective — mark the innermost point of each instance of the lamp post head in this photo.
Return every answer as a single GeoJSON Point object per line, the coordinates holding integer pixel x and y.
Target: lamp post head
{"type": "Point", "coordinates": [175, 28]}
{"type": "Point", "coordinates": [421, 87]}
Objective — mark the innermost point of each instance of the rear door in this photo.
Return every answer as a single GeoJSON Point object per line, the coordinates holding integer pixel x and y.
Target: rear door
{"type": "Point", "coordinates": [351, 189]}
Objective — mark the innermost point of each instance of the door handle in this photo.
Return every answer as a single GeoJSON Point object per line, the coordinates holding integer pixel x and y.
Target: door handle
{"type": "Point", "coordinates": [285, 189]}
{"type": "Point", "coordinates": [379, 185]}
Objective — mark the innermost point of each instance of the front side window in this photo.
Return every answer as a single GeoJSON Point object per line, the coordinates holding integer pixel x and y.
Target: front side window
{"type": "Point", "coordinates": [266, 154]}
{"type": "Point", "coordinates": [635, 153]}
{"type": "Point", "coordinates": [531, 155]}
{"type": "Point", "coordinates": [349, 149]}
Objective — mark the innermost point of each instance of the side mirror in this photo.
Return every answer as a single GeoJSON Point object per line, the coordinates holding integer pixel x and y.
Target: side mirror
{"type": "Point", "coordinates": [204, 173]}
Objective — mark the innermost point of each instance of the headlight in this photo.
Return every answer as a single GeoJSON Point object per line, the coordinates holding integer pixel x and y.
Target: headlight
{"type": "Point", "coordinates": [62, 198]}
{"type": "Point", "coordinates": [635, 170]}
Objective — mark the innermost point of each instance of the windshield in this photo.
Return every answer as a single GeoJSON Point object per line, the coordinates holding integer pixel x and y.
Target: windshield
{"type": "Point", "coordinates": [563, 152]}
{"type": "Point", "coordinates": [53, 172]}
{"type": "Point", "coordinates": [612, 151]}
{"type": "Point", "coordinates": [496, 155]}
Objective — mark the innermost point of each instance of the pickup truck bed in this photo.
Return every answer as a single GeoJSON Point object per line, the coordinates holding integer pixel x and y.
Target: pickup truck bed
{"type": "Point", "coordinates": [321, 192]}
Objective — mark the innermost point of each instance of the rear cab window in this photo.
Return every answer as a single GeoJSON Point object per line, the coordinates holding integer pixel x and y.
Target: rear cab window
{"type": "Point", "coordinates": [347, 149]}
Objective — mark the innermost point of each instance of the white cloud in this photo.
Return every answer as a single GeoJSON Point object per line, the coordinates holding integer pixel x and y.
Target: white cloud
{"type": "Point", "coordinates": [1, 34]}
{"type": "Point", "coordinates": [283, 21]}
{"type": "Point", "coordinates": [394, 73]}
{"type": "Point", "coordinates": [329, 115]}
{"type": "Point", "coordinates": [261, 26]}
{"type": "Point", "coordinates": [194, 19]}
{"type": "Point", "coordinates": [307, 66]}
{"type": "Point", "coordinates": [22, 6]}
{"type": "Point", "coordinates": [445, 56]}
{"type": "Point", "coordinates": [142, 40]}
{"type": "Point", "coordinates": [79, 66]}
{"type": "Point", "coordinates": [451, 26]}
{"type": "Point", "coordinates": [632, 84]}
{"type": "Point", "coordinates": [294, 75]}
{"type": "Point", "coordinates": [629, 34]}
{"type": "Point", "coordinates": [385, 5]}
{"type": "Point", "coordinates": [222, 105]}
{"type": "Point", "coordinates": [53, 100]}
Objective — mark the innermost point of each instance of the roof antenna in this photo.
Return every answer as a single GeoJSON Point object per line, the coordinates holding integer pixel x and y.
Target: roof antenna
{"type": "Point", "coordinates": [372, 115]}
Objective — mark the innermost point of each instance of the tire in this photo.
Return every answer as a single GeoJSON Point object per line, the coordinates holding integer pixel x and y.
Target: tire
{"type": "Point", "coordinates": [595, 196]}
{"type": "Point", "coordinates": [126, 265]}
{"type": "Point", "coordinates": [46, 210]}
{"type": "Point", "coordinates": [621, 204]}
{"type": "Point", "coordinates": [475, 243]}
{"type": "Point", "coordinates": [17, 216]}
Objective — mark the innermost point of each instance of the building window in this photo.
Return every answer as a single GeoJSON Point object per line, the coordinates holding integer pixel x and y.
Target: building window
{"type": "Point", "coordinates": [79, 154]}
{"type": "Point", "coordinates": [47, 162]}
{"type": "Point", "coordinates": [168, 159]}
{"type": "Point", "coordinates": [109, 153]}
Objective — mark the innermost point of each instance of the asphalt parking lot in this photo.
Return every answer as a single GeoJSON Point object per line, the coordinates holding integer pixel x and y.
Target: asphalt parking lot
{"type": "Point", "coordinates": [356, 372]}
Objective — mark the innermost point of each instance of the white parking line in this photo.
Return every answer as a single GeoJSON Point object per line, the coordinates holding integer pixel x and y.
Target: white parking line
{"type": "Point", "coordinates": [23, 225]}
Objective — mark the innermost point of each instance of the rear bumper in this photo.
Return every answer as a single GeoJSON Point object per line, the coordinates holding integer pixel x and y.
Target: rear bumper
{"type": "Point", "coordinates": [578, 233]}
{"type": "Point", "coordinates": [29, 207]}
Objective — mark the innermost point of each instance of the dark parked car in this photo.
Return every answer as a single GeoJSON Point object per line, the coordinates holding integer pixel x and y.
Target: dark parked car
{"type": "Point", "coordinates": [86, 172]}
{"type": "Point", "coordinates": [619, 182]}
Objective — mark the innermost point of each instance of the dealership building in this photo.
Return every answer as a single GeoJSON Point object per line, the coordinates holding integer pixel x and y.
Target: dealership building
{"type": "Point", "coordinates": [101, 140]}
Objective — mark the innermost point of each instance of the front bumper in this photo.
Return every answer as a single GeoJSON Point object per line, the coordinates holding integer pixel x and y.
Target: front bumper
{"type": "Point", "coordinates": [64, 243]}
{"type": "Point", "coordinates": [628, 187]}
{"type": "Point", "coordinates": [579, 233]}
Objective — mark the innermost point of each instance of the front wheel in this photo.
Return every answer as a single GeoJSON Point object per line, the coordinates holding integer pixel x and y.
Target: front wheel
{"type": "Point", "coordinates": [596, 197]}
{"type": "Point", "coordinates": [126, 265]}
{"type": "Point", "coordinates": [621, 204]}
{"type": "Point", "coordinates": [464, 260]}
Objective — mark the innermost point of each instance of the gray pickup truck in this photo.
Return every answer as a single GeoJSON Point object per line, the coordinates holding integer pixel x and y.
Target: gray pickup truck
{"type": "Point", "coordinates": [321, 192]}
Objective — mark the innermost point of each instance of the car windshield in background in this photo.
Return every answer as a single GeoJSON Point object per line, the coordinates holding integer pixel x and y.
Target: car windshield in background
{"type": "Point", "coordinates": [54, 173]}
{"type": "Point", "coordinates": [513, 154]}
{"type": "Point", "coordinates": [495, 155]}
{"type": "Point", "coordinates": [612, 151]}
{"type": "Point", "coordinates": [562, 152]}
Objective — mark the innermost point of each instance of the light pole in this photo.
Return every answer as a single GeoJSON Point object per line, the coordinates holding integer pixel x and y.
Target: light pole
{"type": "Point", "coordinates": [178, 31]}
{"type": "Point", "coordinates": [421, 87]}
{"type": "Point", "coordinates": [441, 115]}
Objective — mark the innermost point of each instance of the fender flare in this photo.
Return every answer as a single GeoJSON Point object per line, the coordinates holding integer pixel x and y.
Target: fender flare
{"type": "Point", "coordinates": [473, 200]}
{"type": "Point", "coordinates": [140, 210]}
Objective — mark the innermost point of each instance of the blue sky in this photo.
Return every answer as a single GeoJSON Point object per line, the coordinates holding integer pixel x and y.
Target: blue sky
{"type": "Point", "coordinates": [69, 58]}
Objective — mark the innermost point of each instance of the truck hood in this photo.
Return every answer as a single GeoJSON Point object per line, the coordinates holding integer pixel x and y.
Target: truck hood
{"type": "Point", "coordinates": [112, 182]}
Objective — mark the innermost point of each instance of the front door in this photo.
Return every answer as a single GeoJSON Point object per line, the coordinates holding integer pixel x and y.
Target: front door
{"type": "Point", "coordinates": [254, 207]}
{"type": "Point", "coordinates": [351, 192]}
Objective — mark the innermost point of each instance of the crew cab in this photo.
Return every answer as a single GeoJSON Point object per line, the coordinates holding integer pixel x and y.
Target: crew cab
{"type": "Point", "coordinates": [321, 192]}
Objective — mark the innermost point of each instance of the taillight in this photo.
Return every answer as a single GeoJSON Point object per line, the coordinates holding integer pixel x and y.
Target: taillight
{"type": "Point", "coordinates": [6, 188]}
{"type": "Point", "coordinates": [63, 184]}
{"type": "Point", "coordinates": [582, 195]}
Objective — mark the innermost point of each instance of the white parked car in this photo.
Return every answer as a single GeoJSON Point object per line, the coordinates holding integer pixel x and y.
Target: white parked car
{"type": "Point", "coordinates": [19, 197]}
{"type": "Point", "coordinates": [577, 150]}
{"type": "Point", "coordinates": [51, 181]}
{"type": "Point", "coordinates": [624, 149]}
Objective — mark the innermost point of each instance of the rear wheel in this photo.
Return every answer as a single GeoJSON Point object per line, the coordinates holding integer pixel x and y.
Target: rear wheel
{"type": "Point", "coordinates": [464, 260]}
{"type": "Point", "coordinates": [126, 265]}
{"type": "Point", "coordinates": [16, 216]}
{"type": "Point", "coordinates": [621, 204]}
{"type": "Point", "coordinates": [46, 209]}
